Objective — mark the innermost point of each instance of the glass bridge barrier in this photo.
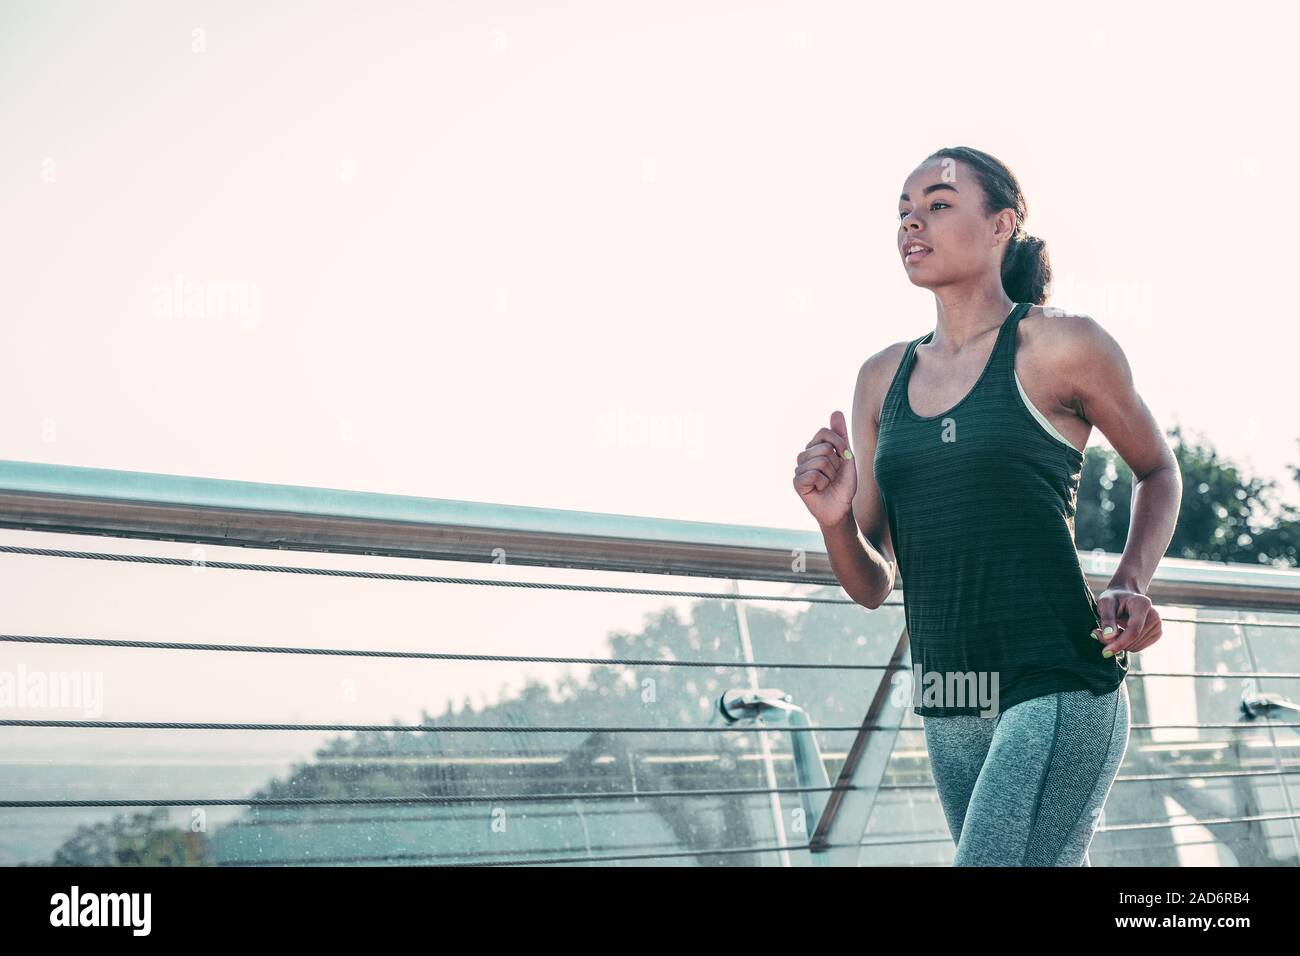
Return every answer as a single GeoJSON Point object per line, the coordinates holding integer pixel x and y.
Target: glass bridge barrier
{"type": "Point", "coordinates": [203, 672]}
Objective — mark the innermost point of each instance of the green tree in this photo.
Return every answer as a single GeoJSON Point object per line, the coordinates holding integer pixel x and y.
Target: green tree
{"type": "Point", "coordinates": [141, 839]}
{"type": "Point", "coordinates": [1225, 515]}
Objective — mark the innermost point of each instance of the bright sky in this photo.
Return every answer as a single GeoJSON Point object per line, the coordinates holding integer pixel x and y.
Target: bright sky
{"type": "Point", "coordinates": [487, 241]}
{"type": "Point", "coordinates": [479, 249]}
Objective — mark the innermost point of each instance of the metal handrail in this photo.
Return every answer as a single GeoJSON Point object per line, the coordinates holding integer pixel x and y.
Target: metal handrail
{"type": "Point", "coordinates": [72, 499]}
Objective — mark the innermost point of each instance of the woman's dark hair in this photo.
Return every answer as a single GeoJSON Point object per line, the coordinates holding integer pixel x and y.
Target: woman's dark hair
{"type": "Point", "coordinates": [1026, 270]}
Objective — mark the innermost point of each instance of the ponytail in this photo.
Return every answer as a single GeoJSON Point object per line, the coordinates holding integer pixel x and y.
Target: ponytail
{"type": "Point", "coordinates": [1026, 269]}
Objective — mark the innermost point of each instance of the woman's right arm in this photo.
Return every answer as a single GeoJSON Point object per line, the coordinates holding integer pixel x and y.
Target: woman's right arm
{"type": "Point", "coordinates": [842, 494]}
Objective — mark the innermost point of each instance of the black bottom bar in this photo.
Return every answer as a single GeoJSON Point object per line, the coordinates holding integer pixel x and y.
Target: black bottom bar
{"type": "Point", "coordinates": [678, 904]}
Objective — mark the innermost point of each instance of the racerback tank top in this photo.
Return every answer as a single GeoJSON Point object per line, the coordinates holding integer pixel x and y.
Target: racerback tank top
{"type": "Point", "coordinates": [980, 501]}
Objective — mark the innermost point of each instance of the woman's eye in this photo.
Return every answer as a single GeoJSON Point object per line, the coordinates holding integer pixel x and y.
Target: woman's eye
{"type": "Point", "coordinates": [937, 202]}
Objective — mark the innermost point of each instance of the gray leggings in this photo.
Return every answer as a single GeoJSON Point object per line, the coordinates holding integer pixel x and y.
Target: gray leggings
{"type": "Point", "coordinates": [1026, 787]}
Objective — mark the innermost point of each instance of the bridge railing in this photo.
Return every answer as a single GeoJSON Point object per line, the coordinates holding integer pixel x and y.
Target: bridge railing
{"type": "Point", "coordinates": [243, 673]}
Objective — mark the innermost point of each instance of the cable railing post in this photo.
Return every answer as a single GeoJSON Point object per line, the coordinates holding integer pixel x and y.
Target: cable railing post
{"type": "Point", "coordinates": [764, 744]}
{"type": "Point", "coordinates": [838, 837]}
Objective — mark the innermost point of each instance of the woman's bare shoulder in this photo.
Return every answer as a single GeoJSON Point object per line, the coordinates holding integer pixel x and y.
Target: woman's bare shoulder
{"type": "Point", "coordinates": [1056, 336]}
{"type": "Point", "coordinates": [874, 376]}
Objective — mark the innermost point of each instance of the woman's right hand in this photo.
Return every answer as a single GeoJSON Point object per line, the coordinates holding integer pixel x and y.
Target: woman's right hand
{"type": "Point", "coordinates": [826, 475]}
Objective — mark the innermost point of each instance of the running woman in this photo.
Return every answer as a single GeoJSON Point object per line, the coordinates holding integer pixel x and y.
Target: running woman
{"type": "Point", "coordinates": [963, 477]}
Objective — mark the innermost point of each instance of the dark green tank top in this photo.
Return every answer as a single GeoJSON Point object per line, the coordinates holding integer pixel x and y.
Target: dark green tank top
{"type": "Point", "coordinates": [980, 501]}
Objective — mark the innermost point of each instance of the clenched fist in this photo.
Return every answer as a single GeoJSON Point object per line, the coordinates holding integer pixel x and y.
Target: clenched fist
{"type": "Point", "coordinates": [825, 473]}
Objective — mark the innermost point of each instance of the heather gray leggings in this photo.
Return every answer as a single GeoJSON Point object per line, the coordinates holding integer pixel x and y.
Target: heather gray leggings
{"type": "Point", "coordinates": [1026, 787]}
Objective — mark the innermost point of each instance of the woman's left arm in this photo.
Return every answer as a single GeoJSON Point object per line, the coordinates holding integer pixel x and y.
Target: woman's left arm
{"type": "Point", "coordinates": [1095, 368]}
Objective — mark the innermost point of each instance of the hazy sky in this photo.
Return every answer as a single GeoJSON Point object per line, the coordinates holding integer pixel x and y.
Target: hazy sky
{"type": "Point", "coordinates": [481, 243]}
{"type": "Point", "coordinates": [476, 250]}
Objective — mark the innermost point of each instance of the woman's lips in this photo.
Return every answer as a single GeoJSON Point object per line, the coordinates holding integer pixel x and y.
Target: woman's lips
{"type": "Point", "coordinates": [915, 256]}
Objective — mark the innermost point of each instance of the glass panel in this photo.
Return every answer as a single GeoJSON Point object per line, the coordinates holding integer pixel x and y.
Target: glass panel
{"type": "Point", "coordinates": [1218, 771]}
{"type": "Point", "coordinates": [622, 759]}
{"type": "Point", "coordinates": [632, 774]}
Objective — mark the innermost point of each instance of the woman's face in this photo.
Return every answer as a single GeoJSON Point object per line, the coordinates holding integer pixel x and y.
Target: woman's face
{"type": "Point", "coordinates": [941, 210]}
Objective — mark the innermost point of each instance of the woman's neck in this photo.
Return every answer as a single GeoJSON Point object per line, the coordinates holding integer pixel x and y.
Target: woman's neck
{"type": "Point", "coordinates": [961, 317]}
